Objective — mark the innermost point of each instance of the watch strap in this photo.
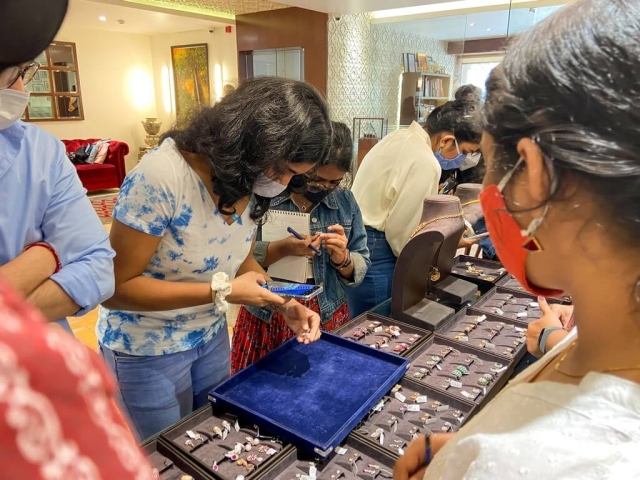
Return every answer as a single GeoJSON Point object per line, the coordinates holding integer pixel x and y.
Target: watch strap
{"type": "Point", "coordinates": [544, 336]}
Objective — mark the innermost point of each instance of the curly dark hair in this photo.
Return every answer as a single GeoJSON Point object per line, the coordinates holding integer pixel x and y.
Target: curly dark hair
{"type": "Point", "coordinates": [260, 127]}
{"type": "Point", "coordinates": [341, 154]}
{"type": "Point", "coordinates": [459, 116]}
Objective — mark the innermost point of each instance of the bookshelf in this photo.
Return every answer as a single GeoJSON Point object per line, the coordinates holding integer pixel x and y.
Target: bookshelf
{"type": "Point", "coordinates": [421, 93]}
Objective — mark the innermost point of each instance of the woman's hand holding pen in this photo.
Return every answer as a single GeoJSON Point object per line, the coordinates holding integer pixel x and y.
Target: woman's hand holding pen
{"type": "Point", "coordinates": [291, 246]}
{"type": "Point", "coordinates": [336, 243]}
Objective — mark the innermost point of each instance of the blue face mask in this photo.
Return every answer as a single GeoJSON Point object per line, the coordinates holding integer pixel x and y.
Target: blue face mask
{"type": "Point", "coordinates": [450, 163]}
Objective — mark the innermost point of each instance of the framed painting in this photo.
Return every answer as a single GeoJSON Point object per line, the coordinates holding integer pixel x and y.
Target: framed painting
{"type": "Point", "coordinates": [190, 79]}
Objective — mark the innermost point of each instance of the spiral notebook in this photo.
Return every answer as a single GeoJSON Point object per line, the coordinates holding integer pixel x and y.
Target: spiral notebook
{"type": "Point", "coordinates": [290, 268]}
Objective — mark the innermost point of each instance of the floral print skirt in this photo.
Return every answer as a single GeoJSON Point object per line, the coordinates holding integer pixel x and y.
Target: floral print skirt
{"type": "Point", "coordinates": [254, 338]}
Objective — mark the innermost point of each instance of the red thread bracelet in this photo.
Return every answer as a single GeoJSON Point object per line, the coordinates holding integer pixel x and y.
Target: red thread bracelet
{"type": "Point", "coordinates": [51, 249]}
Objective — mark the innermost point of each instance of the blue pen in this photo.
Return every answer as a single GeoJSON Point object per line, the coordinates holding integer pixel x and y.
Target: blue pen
{"type": "Point", "coordinates": [299, 237]}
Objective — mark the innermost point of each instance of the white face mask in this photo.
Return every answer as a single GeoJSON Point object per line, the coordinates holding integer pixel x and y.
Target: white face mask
{"type": "Point", "coordinates": [268, 188]}
{"type": "Point", "coordinates": [12, 105]}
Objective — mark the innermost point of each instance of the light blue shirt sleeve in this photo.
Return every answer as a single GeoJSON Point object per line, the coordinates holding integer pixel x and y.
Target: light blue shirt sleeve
{"type": "Point", "coordinates": [72, 227]}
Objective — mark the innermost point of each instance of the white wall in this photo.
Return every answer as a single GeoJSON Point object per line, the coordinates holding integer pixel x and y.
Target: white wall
{"type": "Point", "coordinates": [116, 79]}
{"type": "Point", "coordinates": [223, 66]}
{"type": "Point", "coordinates": [122, 81]}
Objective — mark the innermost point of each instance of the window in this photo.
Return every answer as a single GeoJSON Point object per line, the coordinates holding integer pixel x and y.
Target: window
{"type": "Point", "coordinates": [476, 70]}
{"type": "Point", "coordinates": [55, 89]}
{"type": "Point", "coordinates": [279, 62]}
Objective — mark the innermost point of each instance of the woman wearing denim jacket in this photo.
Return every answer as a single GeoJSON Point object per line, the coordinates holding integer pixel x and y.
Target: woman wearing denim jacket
{"type": "Point", "coordinates": [336, 228]}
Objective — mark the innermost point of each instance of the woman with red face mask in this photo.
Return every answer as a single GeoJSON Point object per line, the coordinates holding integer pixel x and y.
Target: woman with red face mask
{"type": "Point", "coordinates": [561, 141]}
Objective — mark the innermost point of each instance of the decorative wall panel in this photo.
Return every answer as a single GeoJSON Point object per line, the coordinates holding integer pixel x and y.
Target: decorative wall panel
{"type": "Point", "coordinates": [365, 64]}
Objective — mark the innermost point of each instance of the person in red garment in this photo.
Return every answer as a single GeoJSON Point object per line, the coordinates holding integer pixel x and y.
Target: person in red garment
{"type": "Point", "coordinates": [58, 418]}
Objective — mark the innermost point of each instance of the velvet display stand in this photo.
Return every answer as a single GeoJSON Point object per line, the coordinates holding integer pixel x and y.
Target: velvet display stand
{"type": "Point", "coordinates": [311, 395]}
{"type": "Point", "coordinates": [413, 409]}
{"type": "Point", "coordinates": [425, 264]}
{"type": "Point", "coordinates": [468, 194]}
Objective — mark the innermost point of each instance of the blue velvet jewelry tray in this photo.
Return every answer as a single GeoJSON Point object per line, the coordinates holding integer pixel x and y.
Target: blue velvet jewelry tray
{"type": "Point", "coordinates": [313, 395]}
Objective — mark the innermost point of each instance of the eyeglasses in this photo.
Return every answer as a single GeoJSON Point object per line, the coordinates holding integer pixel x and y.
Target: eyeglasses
{"type": "Point", "coordinates": [10, 75]}
{"type": "Point", "coordinates": [316, 185]}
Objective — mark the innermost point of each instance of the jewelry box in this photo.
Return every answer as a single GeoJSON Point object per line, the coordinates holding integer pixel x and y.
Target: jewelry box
{"type": "Point", "coordinates": [383, 333]}
{"type": "Point", "coordinates": [459, 371]}
{"type": "Point", "coordinates": [169, 464]}
{"type": "Point", "coordinates": [411, 409]}
{"type": "Point", "coordinates": [490, 333]}
{"type": "Point", "coordinates": [510, 282]}
{"type": "Point", "coordinates": [512, 304]}
{"type": "Point", "coordinates": [312, 395]}
{"type": "Point", "coordinates": [223, 445]}
{"type": "Point", "coordinates": [484, 273]}
{"type": "Point", "coordinates": [354, 459]}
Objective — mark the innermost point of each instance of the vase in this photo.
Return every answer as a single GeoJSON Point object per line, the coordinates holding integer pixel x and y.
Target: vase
{"type": "Point", "coordinates": [151, 126]}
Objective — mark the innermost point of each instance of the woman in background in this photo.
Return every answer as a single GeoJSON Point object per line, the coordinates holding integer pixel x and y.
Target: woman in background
{"type": "Point", "coordinates": [392, 183]}
{"type": "Point", "coordinates": [336, 229]}
{"type": "Point", "coordinates": [561, 202]}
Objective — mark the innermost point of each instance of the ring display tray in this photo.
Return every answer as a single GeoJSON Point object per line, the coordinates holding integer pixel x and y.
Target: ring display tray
{"type": "Point", "coordinates": [413, 409]}
{"type": "Point", "coordinates": [434, 364]}
{"type": "Point", "coordinates": [489, 273]}
{"type": "Point", "coordinates": [486, 332]}
{"type": "Point", "coordinates": [312, 395]}
{"type": "Point", "coordinates": [512, 304]}
{"type": "Point", "coordinates": [213, 450]}
{"type": "Point", "coordinates": [371, 329]}
{"type": "Point", "coordinates": [168, 464]}
{"type": "Point", "coordinates": [356, 460]}
{"type": "Point", "coordinates": [509, 282]}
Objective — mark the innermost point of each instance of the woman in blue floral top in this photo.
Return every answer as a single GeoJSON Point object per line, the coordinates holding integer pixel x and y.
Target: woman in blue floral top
{"type": "Point", "coordinates": [183, 231]}
{"type": "Point", "coordinates": [336, 228]}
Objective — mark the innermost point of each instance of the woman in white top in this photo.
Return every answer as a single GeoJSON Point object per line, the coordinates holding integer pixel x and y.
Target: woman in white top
{"type": "Point", "coordinates": [184, 226]}
{"type": "Point", "coordinates": [392, 183]}
{"type": "Point", "coordinates": [561, 200]}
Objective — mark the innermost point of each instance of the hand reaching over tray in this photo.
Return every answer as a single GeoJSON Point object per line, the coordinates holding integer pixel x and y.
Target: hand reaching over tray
{"type": "Point", "coordinates": [304, 322]}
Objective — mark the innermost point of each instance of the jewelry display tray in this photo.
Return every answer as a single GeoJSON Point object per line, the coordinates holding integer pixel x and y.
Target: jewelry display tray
{"type": "Point", "coordinates": [412, 419]}
{"type": "Point", "coordinates": [295, 465]}
{"type": "Point", "coordinates": [531, 313]}
{"type": "Point", "coordinates": [489, 267]}
{"type": "Point", "coordinates": [510, 283]}
{"type": "Point", "coordinates": [213, 450]}
{"type": "Point", "coordinates": [311, 395]}
{"type": "Point", "coordinates": [346, 331]}
{"type": "Point", "coordinates": [159, 451]}
{"type": "Point", "coordinates": [486, 393]}
{"type": "Point", "coordinates": [470, 313]}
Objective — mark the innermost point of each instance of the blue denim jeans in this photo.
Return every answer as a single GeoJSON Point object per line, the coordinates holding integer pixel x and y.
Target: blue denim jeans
{"type": "Point", "coordinates": [376, 287]}
{"type": "Point", "coordinates": [157, 391]}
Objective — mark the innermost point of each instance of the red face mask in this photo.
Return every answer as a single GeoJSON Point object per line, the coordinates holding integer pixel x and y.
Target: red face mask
{"type": "Point", "coordinates": [512, 244]}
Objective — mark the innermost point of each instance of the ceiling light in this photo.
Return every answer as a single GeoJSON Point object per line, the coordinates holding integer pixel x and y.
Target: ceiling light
{"type": "Point", "coordinates": [425, 9]}
{"type": "Point", "coordinates": [102, 18]}
{"type": "Point", "coordinates": [488, 29]}
{"type": "Point", "coordinates": [472, 24]}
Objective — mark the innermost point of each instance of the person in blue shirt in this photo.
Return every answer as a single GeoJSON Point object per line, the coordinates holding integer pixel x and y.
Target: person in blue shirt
{"type": "Point", "coordinates": [43, 204]}
{"type": "Point", "coordinates": [336, 228]}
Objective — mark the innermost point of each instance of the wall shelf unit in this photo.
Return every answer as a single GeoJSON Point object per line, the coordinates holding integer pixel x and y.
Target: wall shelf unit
{"type": "Point", "coordinates": [421, 93]}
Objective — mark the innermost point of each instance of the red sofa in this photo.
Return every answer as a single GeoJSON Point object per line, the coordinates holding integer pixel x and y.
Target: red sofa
{"type": "Point", "coordinates": [109, 174]}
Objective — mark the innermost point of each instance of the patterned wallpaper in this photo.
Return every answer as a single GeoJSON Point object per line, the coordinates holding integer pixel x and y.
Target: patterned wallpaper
{"type": "Point", "coordinates": [215, 7]}
{"type": "Point", "coordinates": [365, 64]}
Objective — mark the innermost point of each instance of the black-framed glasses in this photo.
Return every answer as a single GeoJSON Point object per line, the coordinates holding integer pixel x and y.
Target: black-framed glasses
{"type": "Point", "coordinates": [316, 185]}
{"type": "Point", "coordinates": [9, 75]}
